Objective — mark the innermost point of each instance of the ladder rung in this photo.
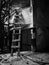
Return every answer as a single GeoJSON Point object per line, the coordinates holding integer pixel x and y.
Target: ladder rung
{"type": "Point", "coordinates": [15, 47]}
{"type": "Point", "coordinates": [16, 40]}
{"type": "Point", "coordinates": [16, 28]}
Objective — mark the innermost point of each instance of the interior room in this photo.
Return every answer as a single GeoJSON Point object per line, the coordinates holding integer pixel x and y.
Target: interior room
{"type": "Point", "coordinates": [24, 32]}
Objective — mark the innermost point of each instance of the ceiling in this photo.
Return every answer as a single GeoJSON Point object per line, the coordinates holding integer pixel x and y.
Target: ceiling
{"type": "Point", "coordinates": [24, 3]}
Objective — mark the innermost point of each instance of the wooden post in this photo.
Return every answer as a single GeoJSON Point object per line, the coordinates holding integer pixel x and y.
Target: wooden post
{"type": "Point", "coordinates": [31, 11]}
{"type": "Point", "coordinates": [32, 27]}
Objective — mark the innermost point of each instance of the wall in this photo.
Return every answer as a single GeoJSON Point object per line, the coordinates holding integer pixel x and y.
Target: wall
{"type": "Point", "coordinates": [41, 20]}
{"type": "Point", "coordinates": [26, 40]}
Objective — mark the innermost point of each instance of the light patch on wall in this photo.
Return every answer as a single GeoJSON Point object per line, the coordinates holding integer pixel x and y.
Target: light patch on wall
{"type": "Point", "coordinates": [28, 16]}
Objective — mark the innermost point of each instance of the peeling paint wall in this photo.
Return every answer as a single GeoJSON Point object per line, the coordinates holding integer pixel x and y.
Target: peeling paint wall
{"type": "Point", "coordinates": [26, 15]}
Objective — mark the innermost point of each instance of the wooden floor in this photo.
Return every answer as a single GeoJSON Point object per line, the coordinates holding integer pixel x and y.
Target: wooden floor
{"type": "Point", "coordinates": [26, 58]}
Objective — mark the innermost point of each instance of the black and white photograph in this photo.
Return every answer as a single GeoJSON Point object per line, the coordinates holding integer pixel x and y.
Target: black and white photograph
{"type": "Point", "coordinates": [24, 32]}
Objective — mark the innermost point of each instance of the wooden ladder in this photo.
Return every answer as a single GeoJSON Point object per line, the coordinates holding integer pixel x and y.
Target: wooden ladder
{"type": "Point", "coordinates": [16, 33]}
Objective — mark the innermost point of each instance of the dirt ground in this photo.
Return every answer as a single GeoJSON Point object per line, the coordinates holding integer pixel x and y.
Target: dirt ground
{"type": "Point", "coordinates": [26, 58]}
